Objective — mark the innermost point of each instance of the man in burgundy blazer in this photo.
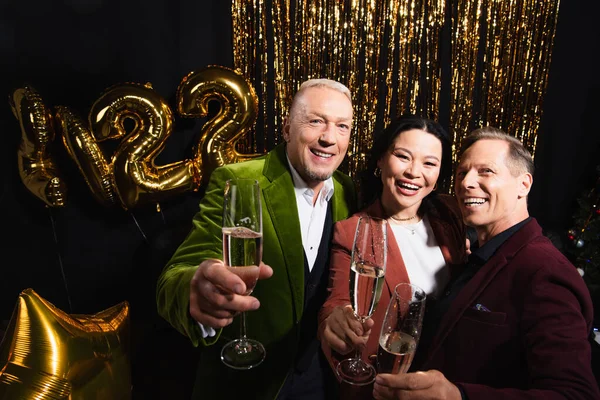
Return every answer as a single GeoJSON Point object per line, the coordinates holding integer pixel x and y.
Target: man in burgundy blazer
{"type": "Point", "coordinates": [515, 324]}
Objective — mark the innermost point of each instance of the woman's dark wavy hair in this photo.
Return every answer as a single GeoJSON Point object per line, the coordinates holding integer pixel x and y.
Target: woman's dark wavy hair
{"type": "Point", "coordinates": [371, 186]}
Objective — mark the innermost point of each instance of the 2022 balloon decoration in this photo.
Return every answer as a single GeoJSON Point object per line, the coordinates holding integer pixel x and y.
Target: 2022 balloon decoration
{"type": "Point", "coordinates": [47, 354]}
{"type": "Point", "coordinates": [129, 177]}
{"type": "Point", "coordinates": [39, 172]}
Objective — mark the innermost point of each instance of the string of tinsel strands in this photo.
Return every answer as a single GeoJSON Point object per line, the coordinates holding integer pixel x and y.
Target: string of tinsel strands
{"type": "Point", "coordinates": [464, 63]}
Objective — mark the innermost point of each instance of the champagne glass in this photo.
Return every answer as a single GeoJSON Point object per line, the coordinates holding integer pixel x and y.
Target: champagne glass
{"type": "Point", "coordinates": [242, 254]}
{"type": "Point", "coordinates": [367, 276]}
{"type": "Point", "coordinates": [401, 329]}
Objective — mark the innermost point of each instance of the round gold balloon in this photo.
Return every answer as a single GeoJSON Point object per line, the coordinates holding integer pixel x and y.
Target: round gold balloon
{"type": "Point", "coordinates": [47, 354]}
{"type": "Point", "coordinates": [39, 173]}
{"type": "Point", "coordinates": [87, 154]}
{"type": "Point", "coordinates": [137, 179]}
{"type": "Point", "coordinates": [239, 107]}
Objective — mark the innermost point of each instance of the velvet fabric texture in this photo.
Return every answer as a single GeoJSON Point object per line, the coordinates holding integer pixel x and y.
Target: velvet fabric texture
{"type": "Point", "coordinates": [446, 223]}
{"type": "Point", "coordinates": [276, 323]}
{"type": "Point", "coordinates": [533, 341]}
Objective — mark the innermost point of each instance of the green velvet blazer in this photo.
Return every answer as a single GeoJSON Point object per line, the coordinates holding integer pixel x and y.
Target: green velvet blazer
{"type": "Point", "coordinates": [276, 322]}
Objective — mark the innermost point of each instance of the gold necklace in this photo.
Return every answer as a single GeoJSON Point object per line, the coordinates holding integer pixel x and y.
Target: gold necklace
{"type": "Point", "coordinates": [410, 228]}
{"type": "Point", "coordinates": [403, 219]}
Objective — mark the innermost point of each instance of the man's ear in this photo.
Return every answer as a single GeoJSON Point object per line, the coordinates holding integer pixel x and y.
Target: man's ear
{"type": "Point", "coordinates": [525, 182]}
{"type": "Point", "coordinates": [286, 129]}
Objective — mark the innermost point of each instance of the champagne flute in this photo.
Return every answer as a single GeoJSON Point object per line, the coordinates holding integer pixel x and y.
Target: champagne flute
{"type": "Point", "coordinates": [242, 254]}
{"type": "Point", "coordinates": [367, 276]}
{"type": "Point", "coordinates": [401, 329]}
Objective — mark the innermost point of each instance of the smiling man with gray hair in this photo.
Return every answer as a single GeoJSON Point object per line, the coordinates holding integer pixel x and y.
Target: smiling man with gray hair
{"type": "Point", "coordinates": [303, 194]}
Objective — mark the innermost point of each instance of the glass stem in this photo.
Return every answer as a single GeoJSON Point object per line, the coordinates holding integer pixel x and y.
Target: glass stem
{"type": "Point", "coordinates": [358, 351]}
{"type": "Point", "coordinates": [243, 326]}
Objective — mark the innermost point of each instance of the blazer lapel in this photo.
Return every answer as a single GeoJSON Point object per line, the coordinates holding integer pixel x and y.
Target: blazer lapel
{"type": "Point", "coordinates": [278, 197]}
{"type": "Point", "coordinates": [473, 289]}
{"type": "Point", "coordinates": [440, 229]}
{"type": "Point", "coordinates": [340, 206]}
{"type": "Point", "coordinates": [395, 270]}
{"type": "Point", "coordinates": [465, 298]}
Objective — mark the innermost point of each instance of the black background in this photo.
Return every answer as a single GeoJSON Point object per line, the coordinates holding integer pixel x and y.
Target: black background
{"type": "Point", "coordinates": [70, 51]}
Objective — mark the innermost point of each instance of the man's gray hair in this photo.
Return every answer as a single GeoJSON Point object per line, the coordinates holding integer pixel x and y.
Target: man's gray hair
{"type": "Point", "coordinates": [519, 159]}
{"type": "Point", "coordinates": [320, 83]}
{"type": "Point", "coordinates": [327, 83]}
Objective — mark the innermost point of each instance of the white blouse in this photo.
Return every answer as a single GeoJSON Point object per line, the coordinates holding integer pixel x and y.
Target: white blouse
{"type": "Point", "coordinates": [422, 256]}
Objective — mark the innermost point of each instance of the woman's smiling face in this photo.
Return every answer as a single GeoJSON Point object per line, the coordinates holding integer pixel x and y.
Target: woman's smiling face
{"type": "Point", "coordinates": [409, 171]}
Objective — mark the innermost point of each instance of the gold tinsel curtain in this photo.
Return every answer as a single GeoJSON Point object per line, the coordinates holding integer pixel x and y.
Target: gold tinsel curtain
{"type": "Point", "coordinates": [500, 60]}
{"type": "Point", "coordinates": [465, 63]}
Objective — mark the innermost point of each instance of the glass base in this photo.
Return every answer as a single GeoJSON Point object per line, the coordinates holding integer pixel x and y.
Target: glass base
{"type": "Point", "coordinates": [356, 372]}
{"type": "Point", "coordinates": [243, 354]}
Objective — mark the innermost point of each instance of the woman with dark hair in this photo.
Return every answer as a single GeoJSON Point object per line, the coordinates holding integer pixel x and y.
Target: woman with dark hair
{"type": "Point", "coordinates": [426, 236]}
{"type": "Point", "coordinates": [371, 183]}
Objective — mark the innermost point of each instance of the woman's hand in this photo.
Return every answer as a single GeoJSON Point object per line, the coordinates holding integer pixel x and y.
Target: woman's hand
{"type": "Point", "coordinates": [344, 332]}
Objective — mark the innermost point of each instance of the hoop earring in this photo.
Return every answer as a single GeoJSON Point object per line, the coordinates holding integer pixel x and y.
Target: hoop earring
{"type": "Point", "coordinates": [377, 172]}
{"type": "Point", "coordinates": [435, 187]}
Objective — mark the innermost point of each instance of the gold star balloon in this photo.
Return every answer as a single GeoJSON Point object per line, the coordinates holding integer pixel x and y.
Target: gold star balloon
{"type": "Point", "coordinates": [48, 354]}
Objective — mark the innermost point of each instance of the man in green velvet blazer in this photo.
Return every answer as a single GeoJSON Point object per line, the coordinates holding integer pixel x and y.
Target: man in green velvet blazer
{"type": "Point", "coordinates": [201, 298]}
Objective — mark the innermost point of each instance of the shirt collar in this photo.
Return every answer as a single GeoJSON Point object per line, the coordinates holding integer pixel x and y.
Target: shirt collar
{"type": "Point", "coordinates": [481, 255]}
{"type": "Point", "coordinates": [302, 189]}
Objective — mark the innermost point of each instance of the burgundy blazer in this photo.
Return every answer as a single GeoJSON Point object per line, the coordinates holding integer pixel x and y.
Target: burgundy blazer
{"type": "Point", "coordinates": [533, 342]}
{"type": "Point", "coordinates": [449, 231]}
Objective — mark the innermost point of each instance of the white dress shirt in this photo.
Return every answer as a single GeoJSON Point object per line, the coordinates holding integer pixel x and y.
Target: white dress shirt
{"type": "Point", "coordinates": [312, 217]}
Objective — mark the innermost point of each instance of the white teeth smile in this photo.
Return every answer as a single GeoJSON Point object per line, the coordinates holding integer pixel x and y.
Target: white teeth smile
{"type": "Point", "coordinates": [324, 155]}
{"type": "Point", "coordinates": [409, 186]}
{"type": "Point", "coordinates": [474, 202]}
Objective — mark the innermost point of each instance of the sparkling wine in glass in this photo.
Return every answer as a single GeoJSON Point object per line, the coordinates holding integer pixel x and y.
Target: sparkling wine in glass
{"type": "Point", "coordinates": [401, 329]}
{"type": "Point", "coordinates": [242, 254]}
{"type": "Point", "coordinates": [367, 277]}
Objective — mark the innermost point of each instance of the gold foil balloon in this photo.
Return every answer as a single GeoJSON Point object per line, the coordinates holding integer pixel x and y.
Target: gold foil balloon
{"type": "Point", "coordinates": [142, 121]}
{"type": "Point", "coordinates": [39, 173]}
{"type": "Point", "coordinates": [137, 179]}
{"type": "Point", "coordinates": [87, 154]}
{"type": "Point", "coordinates": [239, 106]}
{"type": "Point", "coordinates": [47, 354]}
